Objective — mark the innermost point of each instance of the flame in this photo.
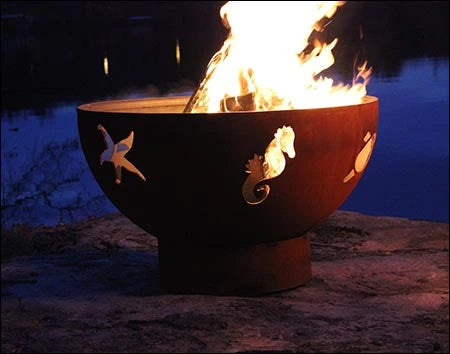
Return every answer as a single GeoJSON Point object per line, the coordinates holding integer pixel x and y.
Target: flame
{"type": "Point", "coordinates": [264, 55]}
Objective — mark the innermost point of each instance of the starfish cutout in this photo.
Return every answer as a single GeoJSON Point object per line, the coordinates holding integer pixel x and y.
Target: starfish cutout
{"type": "Point", "coordinates": [115, 153]}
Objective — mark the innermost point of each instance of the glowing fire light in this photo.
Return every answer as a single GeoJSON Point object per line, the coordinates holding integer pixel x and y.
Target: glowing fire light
{"type": "Point", "coordinates": [265, 55]}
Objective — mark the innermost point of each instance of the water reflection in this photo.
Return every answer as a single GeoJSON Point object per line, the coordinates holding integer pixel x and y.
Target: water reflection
{"type": "Point", "coordinates": [43, 173]}
{"type": "Point", "coordinates": [106, 66]}
{"type": "Point", "coordinates": [177, 53]}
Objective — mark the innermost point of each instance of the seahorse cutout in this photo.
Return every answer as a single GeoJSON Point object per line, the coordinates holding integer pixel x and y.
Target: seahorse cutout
{"type": "Point", "coordinates": [115, 153]}
{"type": "Point", "coordinates": [272, 165]}
{"type": "Point", "coordinates": [363, 157]}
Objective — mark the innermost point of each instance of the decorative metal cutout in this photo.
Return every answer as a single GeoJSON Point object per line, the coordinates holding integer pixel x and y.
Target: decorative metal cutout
{"type": "Point", "coordinates": [115, 153]}
{"type": "Point", "coordinates": [270, 166]}
{"type": "Point", "coordinates": [363, 157]}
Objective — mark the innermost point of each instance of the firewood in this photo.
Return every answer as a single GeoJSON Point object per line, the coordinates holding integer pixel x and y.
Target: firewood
{"type": "Point", "coordinates": [238, 103]}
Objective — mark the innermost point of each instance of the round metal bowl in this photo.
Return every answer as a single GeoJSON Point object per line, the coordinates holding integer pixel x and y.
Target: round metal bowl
{"type": "Point", "coordinates": [194, 165]}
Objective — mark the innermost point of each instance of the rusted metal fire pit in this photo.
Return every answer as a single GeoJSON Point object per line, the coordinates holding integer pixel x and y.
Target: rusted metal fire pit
{"type": "Point", "coordinates": [222, 230]}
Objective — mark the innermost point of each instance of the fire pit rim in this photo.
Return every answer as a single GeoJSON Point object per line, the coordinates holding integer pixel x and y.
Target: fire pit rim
{"type": "Point", "coordinates": [133, 104]}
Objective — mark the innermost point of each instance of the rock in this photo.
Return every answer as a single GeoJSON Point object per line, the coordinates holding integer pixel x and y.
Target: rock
{"type": "Point", "coordinates": [380, 284]}
{"type": "Point", "coordinates": [128, 244]}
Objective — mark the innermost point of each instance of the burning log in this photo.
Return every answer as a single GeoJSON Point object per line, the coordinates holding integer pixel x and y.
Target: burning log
{"type": "Point", "coordinates": [229, 104]}
{"type": "Point", "coordinates": [193, 100]}
{"type": "Point", "coordinates": [238, 103]}
{"type": "Point", "coordinates": [209, 73]}
{"type": "Point", "coordinates": [244, 102]}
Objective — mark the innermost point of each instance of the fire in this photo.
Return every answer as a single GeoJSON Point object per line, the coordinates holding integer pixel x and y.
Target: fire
{"type": "Point", "coordinates": [265, 58]}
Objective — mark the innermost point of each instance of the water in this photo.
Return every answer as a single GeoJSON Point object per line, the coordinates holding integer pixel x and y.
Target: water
{"type": "Point", "coordinates": [45, 178]}
{"type": "Point", "coordinates": [408, 172]}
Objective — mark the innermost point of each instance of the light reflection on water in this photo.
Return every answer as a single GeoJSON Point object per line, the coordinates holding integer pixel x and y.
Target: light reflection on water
{"type": "Point", "coordinates": [46, 180]}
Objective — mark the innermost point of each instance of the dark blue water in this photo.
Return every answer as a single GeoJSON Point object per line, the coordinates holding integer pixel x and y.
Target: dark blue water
{"type": "Point", "coordinates": [52, 61]}
{"type": "Point", "coordinates": [408, 172]}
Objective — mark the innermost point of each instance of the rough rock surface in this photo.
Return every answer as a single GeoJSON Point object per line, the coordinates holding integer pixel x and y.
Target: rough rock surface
{"type": "Point", "coordinates": [380, 284]}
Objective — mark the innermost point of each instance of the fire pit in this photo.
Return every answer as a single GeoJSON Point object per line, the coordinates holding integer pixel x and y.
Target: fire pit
{"type": "Point", "coordinates": [187, 186]}
{"type": "Point", "coordinates": [232, 179]}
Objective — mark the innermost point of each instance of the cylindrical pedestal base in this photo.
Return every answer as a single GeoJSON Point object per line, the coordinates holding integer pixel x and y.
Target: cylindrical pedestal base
{"type": "Point", "coordinates": [245, 270]}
